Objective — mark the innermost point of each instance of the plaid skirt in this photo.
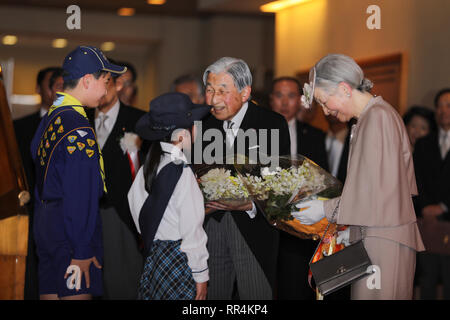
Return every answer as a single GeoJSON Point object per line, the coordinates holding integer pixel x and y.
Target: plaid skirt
{"type": "Point", "coordinates": [166, 275]}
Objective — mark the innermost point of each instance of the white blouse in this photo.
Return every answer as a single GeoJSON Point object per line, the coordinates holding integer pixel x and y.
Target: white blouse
{"type": "Point", "coordinates": [184, 215]}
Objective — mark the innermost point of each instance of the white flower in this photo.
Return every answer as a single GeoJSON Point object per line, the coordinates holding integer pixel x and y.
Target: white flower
{"type": "Point", "coordinates": [265, 171]}
{"type": "Point", "coordinates": [129, 142]}
{"type": "Point", "coordinates": [219, 184]}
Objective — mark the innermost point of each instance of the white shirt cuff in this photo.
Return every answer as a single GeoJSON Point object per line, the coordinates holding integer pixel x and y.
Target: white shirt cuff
{"type": "Point", "coordinates": [443, 206]}
{"type": "Point", "coordinates": [252, 213]}
{"type": "Point", "coordinates": [201, 276]}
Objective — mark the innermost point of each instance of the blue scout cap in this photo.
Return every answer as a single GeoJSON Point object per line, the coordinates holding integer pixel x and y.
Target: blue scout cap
{"type": "Point", "coordinates": [86, 59]}
{"type": "Point", "coordinates": [168, 112]}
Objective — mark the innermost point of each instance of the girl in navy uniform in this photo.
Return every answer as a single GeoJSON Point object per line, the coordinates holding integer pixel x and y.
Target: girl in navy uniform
{"type": "Point", "coordinates": [167, 204]}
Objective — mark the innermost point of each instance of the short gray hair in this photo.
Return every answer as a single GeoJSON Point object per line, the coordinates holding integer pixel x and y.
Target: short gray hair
{"type": "Point", "coordinates": [236, 68]}
{"type": "Point", "coordinates": [187, 78]}
{"type": "Point", "coordinates": [336, 68]}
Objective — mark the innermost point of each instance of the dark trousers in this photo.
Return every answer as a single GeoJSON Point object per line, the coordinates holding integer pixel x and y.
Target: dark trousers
{"type": "Point", "coordinates": [294, 255]}
{"type": "Point", "coordinates": [432, 268]}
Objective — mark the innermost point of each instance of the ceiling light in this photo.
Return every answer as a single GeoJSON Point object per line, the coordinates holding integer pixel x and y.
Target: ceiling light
{"type": "Point", "coordinates": [107, 46]}
{"type": "Point", "coordinates": [9, 40]}
{"type": "Point", "coordinates": [59, 43]}
{"type": "Point", "coordinates": [156, 2]}
{"type": "Point", "coordinates": [275, 6]}
{"type": "Point", "coordinates": [126, 12]}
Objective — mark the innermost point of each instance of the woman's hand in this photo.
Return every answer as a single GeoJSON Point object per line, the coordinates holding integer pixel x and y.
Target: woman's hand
{"type": "Point", "coordinates": [310, 212]}
{"type": "Point", "coordinates": [343, 237]}
{"type": "Point", "coordinates": [202, 289]}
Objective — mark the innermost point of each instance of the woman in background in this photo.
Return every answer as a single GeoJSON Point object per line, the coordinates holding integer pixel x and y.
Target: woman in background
{"type": "Point", "coordinates": [419, 122]}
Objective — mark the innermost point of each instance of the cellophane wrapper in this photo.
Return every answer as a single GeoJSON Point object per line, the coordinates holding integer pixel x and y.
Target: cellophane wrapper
{"type": "Point", "coordinates": [277, 191]}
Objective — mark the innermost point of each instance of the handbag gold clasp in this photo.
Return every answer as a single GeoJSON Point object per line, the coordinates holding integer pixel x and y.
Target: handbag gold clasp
{"type": "Point", "coordinates": [341, 269]}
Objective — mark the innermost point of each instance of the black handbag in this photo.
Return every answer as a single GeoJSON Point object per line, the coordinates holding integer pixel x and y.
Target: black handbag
{"type": "Point", "coordinates": [338, 270]}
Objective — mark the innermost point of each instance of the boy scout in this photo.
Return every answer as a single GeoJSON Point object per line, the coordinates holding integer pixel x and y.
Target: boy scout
{"type": "Point", "coordinates": [70, 181]}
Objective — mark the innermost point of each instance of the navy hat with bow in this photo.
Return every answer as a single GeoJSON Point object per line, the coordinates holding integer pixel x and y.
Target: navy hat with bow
{"type": "Point", "coordinates": [168, 112]}
{"type": "Point", "coordinates": [86, 59]}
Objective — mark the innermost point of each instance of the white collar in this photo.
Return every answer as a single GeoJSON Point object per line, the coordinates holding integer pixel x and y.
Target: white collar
{"type": "Point", "coordinates": [292, 122]}
{"type": "Point", "coordinates": [173, 152]}
{"type": "Point", "coordinates": [443, 133]}
{"type": "Point", "coordinates": [238, 117]}
{"type": "Point", "coordinates": [112, 113]}
{"type": "Point", "coordinates": [42, 112]}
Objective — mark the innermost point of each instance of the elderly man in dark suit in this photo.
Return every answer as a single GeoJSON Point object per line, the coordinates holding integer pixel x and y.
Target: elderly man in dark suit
{"type": "Point", "coordinates": [114, 124]}
{"type": "Point", "coordinates": [242, 245]}
{"type": "Point", "coordinates": [432, 167]}
{"type": "Point", "coordinates": [294, 253]}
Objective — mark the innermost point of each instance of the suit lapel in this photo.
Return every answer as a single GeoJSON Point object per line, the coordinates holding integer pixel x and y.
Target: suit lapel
{"type": "Point", "coordinates": [247, 120]}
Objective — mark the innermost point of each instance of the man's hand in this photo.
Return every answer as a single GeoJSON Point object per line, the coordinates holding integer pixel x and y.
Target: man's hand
{"type": "Point", "coordinates": [84, 267]}
{"type": "Point", "coordinates": [202, 289]}
{"type": "Point", "coordinates": [209, 210]}
{"type": "Point", "coordinates": [247, 206]}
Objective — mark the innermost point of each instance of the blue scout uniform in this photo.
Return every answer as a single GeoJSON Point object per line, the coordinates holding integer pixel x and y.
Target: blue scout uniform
{"type": "Point", "coordinates": [69, 184]}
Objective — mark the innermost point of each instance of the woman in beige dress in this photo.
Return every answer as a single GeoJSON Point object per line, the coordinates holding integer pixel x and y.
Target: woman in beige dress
{"type": "Point", "coordinates": [376, 201]}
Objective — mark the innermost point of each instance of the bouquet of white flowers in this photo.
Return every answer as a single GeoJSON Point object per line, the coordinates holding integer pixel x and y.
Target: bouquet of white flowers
{"type": "Point", "coordinates": [277, 191]}
{"type": "Point", "coordinates": [221, 183]}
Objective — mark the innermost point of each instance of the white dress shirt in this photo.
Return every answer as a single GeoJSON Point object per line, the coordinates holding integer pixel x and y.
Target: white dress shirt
{"type": "Point", "coordinates": [237, 120]}
{"type": "Point", "coordinates": [112, 117]}
{"type": "Point", "coordinates": [42, 112]}
{"type": "Point", "coordinates": [184, 215]}
{"type": "Point", "coordinates": [293, 135]}
{"type": "Point", "coordinates": [334, 145]}
{"type": "Point", "coordinates": [231, 136]}
{"type": "Point", "coordinates": [444, 142]}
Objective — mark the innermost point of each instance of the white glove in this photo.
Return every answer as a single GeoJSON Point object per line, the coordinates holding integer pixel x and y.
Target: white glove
{"type": "Point", "coordinates": [312, 212]}
{"type": "Point", "coordinates": [343, 237]}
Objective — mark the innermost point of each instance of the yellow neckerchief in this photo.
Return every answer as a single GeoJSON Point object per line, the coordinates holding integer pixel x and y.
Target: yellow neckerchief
{"type": "Point", "coordinates": [63, 100]}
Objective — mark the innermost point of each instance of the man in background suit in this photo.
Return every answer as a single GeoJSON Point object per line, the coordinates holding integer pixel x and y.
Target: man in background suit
{"type": "Point", "coordinates": [432, 167]}
{"type": "Point", "coordinates": [129, 91]}
{"type": "Point", "coordinates": [242, 245]}
{"type": "Point", "coordinates": [295, 253]}
{"type": "Point", "coordinates": [190, 85]}
{"type": "Point", "coordinates": [123, 261]}
{"type": "Point", "coordinates": [25, 129]}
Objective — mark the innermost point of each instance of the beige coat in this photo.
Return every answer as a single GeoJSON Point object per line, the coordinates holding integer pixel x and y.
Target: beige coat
{"type": "Point", "coordinates": [377, 196]}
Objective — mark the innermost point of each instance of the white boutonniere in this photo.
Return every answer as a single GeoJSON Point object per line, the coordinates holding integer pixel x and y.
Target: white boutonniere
{"type": "Point", "coordinates": [129, 142]}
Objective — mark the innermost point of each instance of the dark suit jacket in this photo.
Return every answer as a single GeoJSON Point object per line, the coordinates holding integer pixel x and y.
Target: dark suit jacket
{"type": "Point", "coordinates": [117, 167]}
{"type": "Point", "coordinates": [343, 161]}
{"type": "Point", "coordinates": [259, 235]}
{"type": "Point", "coordinates": [432, 174]}
{"type": "Point", "coordinates": [25, 129]}
{"type": "Point", "coordinates": [311, 144]}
